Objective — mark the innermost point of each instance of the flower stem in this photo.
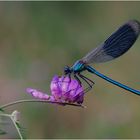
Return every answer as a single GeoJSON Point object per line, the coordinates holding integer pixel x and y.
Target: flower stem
{"type": "Point", "coordinates": [16, 128]}
{"type": "Point", "coordinates": [10, 116]}
{"type": "Point", "coordinates": [43, 101]}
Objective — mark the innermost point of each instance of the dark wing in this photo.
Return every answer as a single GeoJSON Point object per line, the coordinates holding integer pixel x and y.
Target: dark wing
{"type": "Point", "coordinates": [116, 45]}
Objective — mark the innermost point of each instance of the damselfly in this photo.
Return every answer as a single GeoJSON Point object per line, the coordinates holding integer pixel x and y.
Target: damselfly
{"type": "Point", "coordinates": [116, 45]}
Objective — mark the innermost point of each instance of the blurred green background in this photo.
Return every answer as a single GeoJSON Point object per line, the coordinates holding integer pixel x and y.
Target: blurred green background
{"type": "Point", "coordinates": [37, 39]}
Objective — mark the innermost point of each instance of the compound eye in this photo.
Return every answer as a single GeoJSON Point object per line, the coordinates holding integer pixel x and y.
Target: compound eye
{"type": "Point", "coordinates": [66, 69]}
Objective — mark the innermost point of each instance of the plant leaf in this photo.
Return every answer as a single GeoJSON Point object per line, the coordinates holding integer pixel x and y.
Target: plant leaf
{"type": "Point", "coordinates": [2, 132]}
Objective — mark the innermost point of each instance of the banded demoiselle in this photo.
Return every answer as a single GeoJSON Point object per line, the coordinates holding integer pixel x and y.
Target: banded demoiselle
{"type": "Point", "coordinates": [116, 45]}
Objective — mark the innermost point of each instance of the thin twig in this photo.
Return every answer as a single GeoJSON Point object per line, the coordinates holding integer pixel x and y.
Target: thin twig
{"type": "Point", "coordinates": [43, 101]}
{"type": "Point", "coordinates": [10, 116]}
{"type": "Point", "coordinates": [21, 137]}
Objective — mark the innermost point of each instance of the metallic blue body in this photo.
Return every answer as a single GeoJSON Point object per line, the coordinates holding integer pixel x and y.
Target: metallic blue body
{"type": "Point", "coordinates": [92, 70]}
{"type": "Point", "coordinates": [79, 67]}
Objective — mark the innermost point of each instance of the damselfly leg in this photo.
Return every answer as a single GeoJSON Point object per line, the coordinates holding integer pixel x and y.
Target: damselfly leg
{"type": "Point", "coordinates": [89, 82]}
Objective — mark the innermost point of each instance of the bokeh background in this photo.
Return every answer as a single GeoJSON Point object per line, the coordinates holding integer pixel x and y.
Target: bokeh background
{"type": "Point", "coordinates": [37, 39]}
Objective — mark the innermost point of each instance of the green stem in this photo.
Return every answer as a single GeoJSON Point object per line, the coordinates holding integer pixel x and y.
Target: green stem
{"type": "Point", "coordinates": [20, 135]}
{"type": "Point", "coordinates": [43, 101]}
{"type": "Point", "coordinates": [7, 115]}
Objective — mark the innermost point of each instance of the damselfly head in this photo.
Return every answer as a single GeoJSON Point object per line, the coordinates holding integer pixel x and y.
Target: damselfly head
{"type": "Point", "coordinates": [67, 70]}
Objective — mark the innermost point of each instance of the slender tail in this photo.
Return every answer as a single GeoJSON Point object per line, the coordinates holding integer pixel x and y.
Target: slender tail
{"type": "Point", "coordinates": [92, 70]}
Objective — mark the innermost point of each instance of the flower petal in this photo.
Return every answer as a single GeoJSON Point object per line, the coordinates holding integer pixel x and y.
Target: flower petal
{"type": "Point", "coordinates": [65, 84]}
{"type": "Point", "coordinates": [55, 89]}
{"type": "Point", "coordinates": [37, 94]}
